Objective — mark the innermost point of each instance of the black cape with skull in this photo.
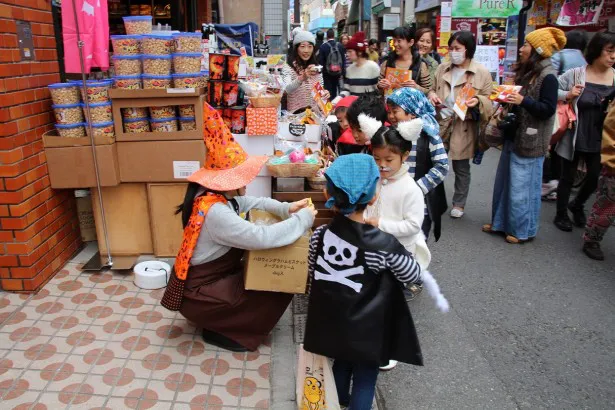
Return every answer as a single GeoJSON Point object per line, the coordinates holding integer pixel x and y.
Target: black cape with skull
{"type": "Point", "coordinates": [356, 313]}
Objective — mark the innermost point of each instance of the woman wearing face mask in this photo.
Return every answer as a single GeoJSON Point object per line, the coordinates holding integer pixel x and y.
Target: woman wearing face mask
{"type": "Point", "coordinates": [362, 75]}
{"type": "Point", "coordinates": [300, 74]}
{"type": "Point", "coordinates": [450, 78]}
{"type": "Point", "coordinates": [406, 57]}
{"type": "Point", "coordinates": [586, 87]}
{"type": "Point", "coordinates": [517, 189]}
{"type": "Point", "coordinates": [207, 283]}
{"type": "Point", "coordinates": [425, 41]}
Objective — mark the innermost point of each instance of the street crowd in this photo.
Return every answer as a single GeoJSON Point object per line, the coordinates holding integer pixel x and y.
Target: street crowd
{"type": "Point", "coordinates": [392, 147]}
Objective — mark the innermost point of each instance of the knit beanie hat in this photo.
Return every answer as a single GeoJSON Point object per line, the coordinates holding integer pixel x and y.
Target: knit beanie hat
{"type": "Point", "coordinates": [357, 42]}
{"type": "Point", "coordinates": [546, 41]}
{"type": "Point", "coordinates": [302, 37]}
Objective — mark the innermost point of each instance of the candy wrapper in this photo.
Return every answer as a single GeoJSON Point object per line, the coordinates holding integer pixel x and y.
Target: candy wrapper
{"type": "Point", "coordinates": [319, 95]}
{"type": "Point", "coordinates": [253, 88]}
{"type": "Point", "coordinates": [501, 92]}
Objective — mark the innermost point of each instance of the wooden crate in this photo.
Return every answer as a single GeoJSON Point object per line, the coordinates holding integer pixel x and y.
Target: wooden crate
{"type": "Point", "coordinates": [318, 198]}
{"type": "Point", "coordinates": [167, 232]}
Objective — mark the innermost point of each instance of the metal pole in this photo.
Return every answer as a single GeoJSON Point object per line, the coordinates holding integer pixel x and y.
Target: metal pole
{"type": "Point", "coordinates": [93, 145]}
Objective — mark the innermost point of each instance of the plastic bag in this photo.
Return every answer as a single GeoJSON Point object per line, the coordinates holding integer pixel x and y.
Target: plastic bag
{"type": "Point", "coordinates": [315, 383]}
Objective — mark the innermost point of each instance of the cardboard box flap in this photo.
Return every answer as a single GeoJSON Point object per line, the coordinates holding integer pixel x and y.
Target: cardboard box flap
{"type": "Point", "coordinates": [51, 139]}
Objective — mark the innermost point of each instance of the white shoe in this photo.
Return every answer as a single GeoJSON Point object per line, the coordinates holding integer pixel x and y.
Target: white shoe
{"type": "Point", "coordinates": [390, 366]}
{"type": "Point", "coordinates": [549, 187]}
{"type": "Point", "coordinates": [456, 213]}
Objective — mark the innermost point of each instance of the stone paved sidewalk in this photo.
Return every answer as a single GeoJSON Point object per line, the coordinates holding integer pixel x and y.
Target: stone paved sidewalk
{"type": "Point", "coordinates": [95, 340]}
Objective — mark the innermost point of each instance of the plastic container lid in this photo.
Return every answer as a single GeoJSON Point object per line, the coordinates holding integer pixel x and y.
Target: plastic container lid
{"type": "Point", "coordinates": [184, 75]}
{"type": "Point", "coordinates": [66, 105]}
{"type": "Point", "coordinates": [136, 119]}
{"type": "Point", "coordinates": [100, 124]}
{"type": "Point", "coordinates": [98, 83]}
{"type": "Point", "coordinates": [126, 37]}
{"type": "Point", "coordinates": [137, 18]}
{"type": "Point", "coordinates": [126, 57]}
{"type": "Point", "coordinates": [62, 85]}
{"type": "Point", "coordinates": [186, 118]}
{"type": "Point", "coordinates": [159, 36]}
{"type": "Point", "coordinates": [186, 54]}
{"type": "Point", "coordinates": [188, 34]}
{"type": "Point", "coordinates": [99, 104]}
{"type": "Point", "coordinates": [158, 57]}
{"type": "Point", "coordinates": [78, 124]}
{"type": "Point", "coordinates": [163, 119]}
{"type": "Point", "coordinates": [157, 76]}
{"type": "Point", "coordinates": [127, 77]}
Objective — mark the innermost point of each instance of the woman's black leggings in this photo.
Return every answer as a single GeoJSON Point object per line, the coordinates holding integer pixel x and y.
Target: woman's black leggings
{"type": "Point", "coordinates": [552, 167]}
{"type": "Point", "coordinates": [592, 163]}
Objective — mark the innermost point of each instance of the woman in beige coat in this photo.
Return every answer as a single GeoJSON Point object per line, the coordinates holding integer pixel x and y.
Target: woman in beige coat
{"type": "Point", "coordinates": [462, 144]}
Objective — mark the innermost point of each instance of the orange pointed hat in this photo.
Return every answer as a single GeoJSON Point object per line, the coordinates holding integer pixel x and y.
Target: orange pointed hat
{"type": "Point", "coordinates": [227, 165]}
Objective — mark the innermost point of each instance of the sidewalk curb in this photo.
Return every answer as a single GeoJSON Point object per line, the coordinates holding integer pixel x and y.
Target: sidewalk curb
{"type": "Point", "coordinates": [283, 364]}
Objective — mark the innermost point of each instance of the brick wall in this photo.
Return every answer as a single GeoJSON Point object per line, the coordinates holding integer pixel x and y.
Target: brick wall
{"type": "Point", "coordinates": [38, 225]}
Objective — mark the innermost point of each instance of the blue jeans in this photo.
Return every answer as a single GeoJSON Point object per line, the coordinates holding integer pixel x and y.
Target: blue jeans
{"type": "Point", "coordinates": [363, 378]}
{"type": "Point", "coordinates": [516, 194]}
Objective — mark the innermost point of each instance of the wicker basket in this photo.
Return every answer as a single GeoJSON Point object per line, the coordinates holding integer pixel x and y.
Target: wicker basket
{"type": "Point", "coordinates": [317, 183]}
{"type": "Point", "coordinates": [298, 170]}
{"type": "Point", "coordinates": [269, 100]}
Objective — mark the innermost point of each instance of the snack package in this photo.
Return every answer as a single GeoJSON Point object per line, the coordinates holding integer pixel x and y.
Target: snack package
{"type": "Point", "coordinates": [396, 76]}
{"type": "Point", "coordinates": [318, 94]}
{"type": "Point", "coordinates": [253, 88]}
{"type": "Point", "coordinates": [501, 92]}
{"type": "Point", "coordinates": [460, 108]}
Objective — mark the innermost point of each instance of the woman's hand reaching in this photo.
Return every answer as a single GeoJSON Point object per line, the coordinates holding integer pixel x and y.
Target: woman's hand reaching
{"type": "Point", "coordinates": [299, 205]}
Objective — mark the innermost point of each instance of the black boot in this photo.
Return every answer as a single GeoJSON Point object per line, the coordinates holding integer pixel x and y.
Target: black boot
{"type": "Point", "coordinates": [222, 341]}
{"type": "Point", "coordinates": [563, 222]}
{"type": "Point", "coordinates": [578, 214]}
{"type": "Point", "coordinates": [592, 250]}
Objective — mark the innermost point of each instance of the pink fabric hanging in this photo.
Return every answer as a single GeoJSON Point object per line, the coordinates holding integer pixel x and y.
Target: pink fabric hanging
{"type": "Point", "coordinates": [93, 19]}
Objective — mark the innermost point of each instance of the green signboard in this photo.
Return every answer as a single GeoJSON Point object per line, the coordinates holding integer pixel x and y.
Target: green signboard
{"type": "Point", "coordinates": [486, 8]}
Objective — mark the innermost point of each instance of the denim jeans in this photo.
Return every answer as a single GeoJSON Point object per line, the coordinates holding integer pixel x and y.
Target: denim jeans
{"type": "Point", "coordinates": [516, 194]}
{"type": "Point", "coordinates": [363, 378]}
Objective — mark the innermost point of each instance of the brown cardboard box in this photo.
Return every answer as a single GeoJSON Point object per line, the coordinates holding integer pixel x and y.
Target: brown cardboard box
{"type": "Point", "coordinates": [167, 232]}
{"type": "Point", "coordinates": [73, 167]}
{"type": "Point", "coordinates": [156, 98]}
{"type": "Point", "coordinates": [160, 161]}
{"type": "Point", "coordinates": [277, 270]}
{"type": "Point", "coordinates": [51, 139]}
{"type": "Point", "coordinates": [128, 221]}
{"type": "Point", "coordinates": [86, 218]}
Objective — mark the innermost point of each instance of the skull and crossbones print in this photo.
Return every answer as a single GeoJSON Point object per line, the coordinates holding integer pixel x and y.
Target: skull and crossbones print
{"type": "Point", "coordinates": [338, 253]}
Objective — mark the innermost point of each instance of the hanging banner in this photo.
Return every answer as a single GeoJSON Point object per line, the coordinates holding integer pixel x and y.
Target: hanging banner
{"type": "Point", "coordinates": [486, 8]}
{"type": "Point", "coordinates": [235, 36]}
{"type": "Point", "coordinates": [537, 15]}
{"type": "Point", "coordinates": [580, 12]}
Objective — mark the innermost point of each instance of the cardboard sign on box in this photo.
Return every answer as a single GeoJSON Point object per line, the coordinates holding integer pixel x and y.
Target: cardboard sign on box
{"type": "Point", "coordinates": [277, 270]}
{"type": "Point", "coordinates": [262, 121]}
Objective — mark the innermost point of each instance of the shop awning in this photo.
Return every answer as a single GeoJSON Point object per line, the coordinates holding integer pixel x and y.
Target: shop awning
{"type": "Point", "coordinates": [422, 5]}
{"type": "Point", "coordinates": [353, 14]}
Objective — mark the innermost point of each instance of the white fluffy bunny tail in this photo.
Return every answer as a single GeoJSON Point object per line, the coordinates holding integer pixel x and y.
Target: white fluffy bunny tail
{"type": "Point", "coordinates": [369, 125]}
{"type": "Point", "coordinates": [411, 130]}
{"type": "Point", "coordinates": [429, 282]}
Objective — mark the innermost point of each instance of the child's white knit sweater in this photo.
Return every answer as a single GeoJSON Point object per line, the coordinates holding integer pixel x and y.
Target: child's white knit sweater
{"type": "Point", "coordinates": [401, 207]}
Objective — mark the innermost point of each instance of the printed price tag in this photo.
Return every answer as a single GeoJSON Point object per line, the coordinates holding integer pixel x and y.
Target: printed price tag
{"type": "Point", "coordinates": [183, 169]}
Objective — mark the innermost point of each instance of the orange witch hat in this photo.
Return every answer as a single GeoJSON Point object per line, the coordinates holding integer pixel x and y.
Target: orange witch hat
{"type": "Point", "coordinates": [227, 165]}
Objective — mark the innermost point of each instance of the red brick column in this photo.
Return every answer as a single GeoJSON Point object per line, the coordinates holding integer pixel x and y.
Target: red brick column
{"type": "Point", "coordinates": [39, 229]}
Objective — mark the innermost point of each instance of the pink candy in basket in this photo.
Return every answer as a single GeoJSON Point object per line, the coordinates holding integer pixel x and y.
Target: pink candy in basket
{"type": "Point", "coordinates": [297, 156]}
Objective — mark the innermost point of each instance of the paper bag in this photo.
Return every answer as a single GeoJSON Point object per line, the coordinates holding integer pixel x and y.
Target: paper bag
{"type": "Point", "coordinates": [396, 76]}
{"type": "Point", "coordinates": [315, 383]}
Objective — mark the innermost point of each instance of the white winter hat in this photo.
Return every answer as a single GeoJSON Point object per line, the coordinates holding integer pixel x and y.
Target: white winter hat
{"type": "Point", "coordinates": [304, 36]}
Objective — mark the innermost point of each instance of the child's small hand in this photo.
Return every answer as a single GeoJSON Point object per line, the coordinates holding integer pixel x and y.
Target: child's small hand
{"type": "Point", "coordinates": [373, 221]}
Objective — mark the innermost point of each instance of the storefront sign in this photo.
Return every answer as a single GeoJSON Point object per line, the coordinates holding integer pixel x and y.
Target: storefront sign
{"type": "Point", "coordinates": [490, 58]}
{"type": "Point", "coordinates": [486, 8]}
{"type": "Point", "coordinates": [422, 5]}
{"type": "Point", "coordinates": [470, 25]}
{"type": "Point", "coordinates": [234, 36]}
{"type": "Point", "coordinates": [390, 21]}
{"type": "Point", "coordinates": [579, 13]}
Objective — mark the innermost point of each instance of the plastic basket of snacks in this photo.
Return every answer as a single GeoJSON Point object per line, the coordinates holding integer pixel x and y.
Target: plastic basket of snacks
{"type": "Point", "coordinates": [293, 159]}
{"type": "Point", "coordinates": [318, 182]}
{"type": "Point", "coordinates": [265, 101]}
{"type": "Point", "coordinates": [259, 95]}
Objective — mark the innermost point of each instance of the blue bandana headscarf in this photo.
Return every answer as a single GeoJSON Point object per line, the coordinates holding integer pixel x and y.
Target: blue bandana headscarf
{"type": "Point", "coordinates": [414, 102]}
{"type": "Point", "coordinates": [356, 176]}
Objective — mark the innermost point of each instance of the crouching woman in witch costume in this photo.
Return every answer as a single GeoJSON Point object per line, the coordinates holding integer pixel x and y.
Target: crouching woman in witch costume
{"type": "Point", "coordinates": [207, 282]}
{"type": "Point", "coordinates": [357, 312]}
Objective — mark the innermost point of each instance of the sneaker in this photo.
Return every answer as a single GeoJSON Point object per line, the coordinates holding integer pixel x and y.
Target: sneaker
{"type": "Point", "coordinates": [549, 187]}
{"type": "Point", "coordinates": [552, 196]}
{"type": "Point", "coordinates": [457, 212]}
{"type": "Point", "coordinates": [412, 291]}
{"type": "Point", "coordinates": [563, 223]}
{"type": "Point", "coordinates": [390, 366]}
{"type": "Point", "coordinates": [578, 215]}
{"type": "Point", "coordinates": [593, 251]}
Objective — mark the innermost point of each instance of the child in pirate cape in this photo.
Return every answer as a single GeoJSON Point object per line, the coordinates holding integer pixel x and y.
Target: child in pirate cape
{"type": "Point", "coordinates": [357, 313]}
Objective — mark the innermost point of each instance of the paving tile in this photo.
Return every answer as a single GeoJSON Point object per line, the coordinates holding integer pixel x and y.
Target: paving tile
{"type": "Point", "coordinates": [164, 393]}
{"type": "Point", "coordinates": [100, 387]}
{"type": "Point", "coordinates": [51, 400]}
{"type": "Point", "coordinates": [221, 396]}
{"type": "Point", "coordinates": [258, 399]}
{"type": "Point", "coordinates": [135, 384]}
{"type": "Point", "coordinates": [17, 397]}
{"type": "Point", "coordinates": [104, 368]}
{"type": "Point", "coordinates": [231, 359]}
{"type": "Point", "coordinates": [35, 380]}
{"type": "Point", "coordinates": [59, 385]}
{"type": "Point", "coordinates": [227, 376]}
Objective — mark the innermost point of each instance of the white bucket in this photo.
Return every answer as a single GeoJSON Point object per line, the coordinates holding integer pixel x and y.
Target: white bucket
{"type": "Point", "coordinates": [152, 274]}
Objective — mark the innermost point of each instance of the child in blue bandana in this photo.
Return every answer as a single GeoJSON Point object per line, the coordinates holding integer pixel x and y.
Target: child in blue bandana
{"type": "Point", "coordinates": [357, 312]}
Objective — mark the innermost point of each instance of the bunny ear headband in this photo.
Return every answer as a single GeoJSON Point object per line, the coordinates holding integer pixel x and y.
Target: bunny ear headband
{"type": "Point", "coordinates": [409, 130]}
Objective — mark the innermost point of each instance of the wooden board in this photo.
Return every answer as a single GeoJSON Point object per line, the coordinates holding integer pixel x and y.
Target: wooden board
{"type": "Point", "coordinates": [128, 221]}
{"type": "Point", "coordinates": [167, 232]}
